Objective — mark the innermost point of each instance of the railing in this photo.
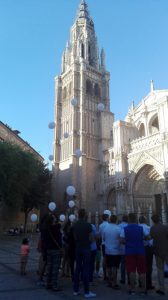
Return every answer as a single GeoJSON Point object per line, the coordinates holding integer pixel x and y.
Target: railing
{"type": "Point", "coordinates": [145, 142]}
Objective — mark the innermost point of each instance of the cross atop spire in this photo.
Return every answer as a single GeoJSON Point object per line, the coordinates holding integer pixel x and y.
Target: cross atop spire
{"type": "Point", "coordinates": [152, 86]}
{"type": "Point", "coordinates": [83, 12]}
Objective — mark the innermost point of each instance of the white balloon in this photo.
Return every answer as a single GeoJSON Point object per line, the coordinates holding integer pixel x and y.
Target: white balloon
{"type": "Point", "coordinates": [71, 190]}
{"type": "Point", "coordinates": [62, 218]}
{"type": "Point", "coordinates": [71, 203]}
{"type": "Point", "coordinates": [107, 212]}
{"type": "Point", "coordinates": [74, 101]}
{"type": "Point", "coordinates": [66, 135]}
{"type": "Point", "coordinates": [51, 125]}
{"type": "Point", "coordinates": [33, 217]}
{"type": "Point", "coordinates": [72, 218]}
{"type": "Point", "coordinates": [52, 206]}
{"type": "Point", "coordinates": [78, 153]}
{"type": "Point", "coordinates": [100, 106]}
{"type": "Point", "coordinates": [51, 157]}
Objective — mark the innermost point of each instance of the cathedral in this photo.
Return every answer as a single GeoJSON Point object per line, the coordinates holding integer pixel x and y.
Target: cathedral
{"type": "Point", "coordinates": [121, 166]}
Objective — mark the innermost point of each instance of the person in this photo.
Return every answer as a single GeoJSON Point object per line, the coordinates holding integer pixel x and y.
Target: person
{"type": "Point", "coordinates": [53, 246]}
{"type": "Point", "coordinates": [24, 251]}
{"type": "Point", "coordinates": [122, 225]}
{"type": "Point", "coordinates": [148, 253]}
{"type": "Point", "coordinates": [133, 236]}
{"type": "Point", "coordinates": [42, 263]}
{"type": "Point", "coordinates": [159, 234]}
{"type": "Point", "coordinates": [83, 237]}
{"type": "Point", "coordinates": [98, 256]}
{"type": "Point", "coordinates": [65, 258]}
{"type": "Point", "coordinates": [93, 254]}
{"type": "Point", "coordinates": [111, 238]}
{"type": "Point", "coordinates": [21, 230]}
{"type": "Point", "coordinates": [102, 226]}
{"type": "Point", "coordinates": [71, 250]}
{"type": "Point", "coordinates": [42, 250]}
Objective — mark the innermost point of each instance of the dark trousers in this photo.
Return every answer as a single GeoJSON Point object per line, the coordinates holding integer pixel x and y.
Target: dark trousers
{"type": "Point", "coordinates": [82, 267]}
{"type": "Point", "coordinates": [92, 264]}
{"type": "Point", "coordinates": [122, 268]}
{"type": "Point", "coordinates": [149, 263]}
{"type": "Point", "coordinates": [71, 255]}
{"type": "Point", "coordinates": [53, 265]}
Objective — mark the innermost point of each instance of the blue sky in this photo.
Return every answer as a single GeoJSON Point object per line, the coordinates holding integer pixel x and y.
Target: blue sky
{"type": "Point", "coordinates": [33, 34]}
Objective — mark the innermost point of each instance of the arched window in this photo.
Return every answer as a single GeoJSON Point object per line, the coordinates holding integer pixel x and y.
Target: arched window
{"type": "Point", "coordinates": [97, 90]}
{"type": "Point", "coordinates": [142, 130]}
{"type": "Point", "coordinates": [154, 125]}
{"type": "Point", "coordinates": [89, 87]}
{"type": "Point", "coordinates": [89, 54]}
{"type": "Point", "coordinates": [82, 50]}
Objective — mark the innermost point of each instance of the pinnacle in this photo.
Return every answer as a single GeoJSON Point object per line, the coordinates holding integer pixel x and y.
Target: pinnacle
{"type": "Point", "coordinates": [83, 12]}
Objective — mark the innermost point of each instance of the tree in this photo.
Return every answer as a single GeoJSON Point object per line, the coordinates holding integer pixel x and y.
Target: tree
{"type": "Point", "coordinates": [24, 180]}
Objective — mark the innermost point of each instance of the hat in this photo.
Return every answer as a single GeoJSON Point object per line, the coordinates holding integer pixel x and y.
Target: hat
{"type": "Point", "coordinates": [107, 212]}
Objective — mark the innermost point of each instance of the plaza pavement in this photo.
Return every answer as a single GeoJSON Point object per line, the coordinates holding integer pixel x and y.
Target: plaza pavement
{"type": "Point", "coordinates": [16, 287]}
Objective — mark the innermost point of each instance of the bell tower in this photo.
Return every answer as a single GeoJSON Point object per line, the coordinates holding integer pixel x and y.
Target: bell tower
{"type": "Point", "coordinates": [81, 88]}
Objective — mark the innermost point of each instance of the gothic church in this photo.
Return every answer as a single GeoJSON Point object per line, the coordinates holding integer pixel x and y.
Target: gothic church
{"type": "Point", "coordinates": [123, 165]}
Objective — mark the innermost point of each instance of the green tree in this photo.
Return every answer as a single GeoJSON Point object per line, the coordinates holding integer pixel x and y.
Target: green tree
{"type": "Point", "coordinates": [24, 180]}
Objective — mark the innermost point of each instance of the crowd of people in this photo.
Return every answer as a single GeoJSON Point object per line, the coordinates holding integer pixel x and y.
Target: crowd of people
{"type": "Point", "coordinates": [124, 249]}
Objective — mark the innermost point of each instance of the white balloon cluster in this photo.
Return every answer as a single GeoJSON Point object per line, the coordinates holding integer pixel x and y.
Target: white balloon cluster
{"type": "Point", "coordinates": [70, 190]}
{"type": "Point", "coordinates": [33, 217]}
{"type": "Point", "coordinates": [51, 125]}
{"type": "Point", "coordinates": [74, 102]}
{"type": "Point", "coordinates": [66, 135]}
{"type": "Point", "coordinates": [100, 107]}
{"type": "Point", "coordinates": [52, 206]}
{"type": "Point", "coordinates": [72, 217]}
{"type": "Point", "coordinates": [51, 157]}
{"type": "Point", "coordinates": [62, 218]}
{"type": "Point", "coordinates": [71, 203]}
{"type": "Point", "coordinates": [78, 153]}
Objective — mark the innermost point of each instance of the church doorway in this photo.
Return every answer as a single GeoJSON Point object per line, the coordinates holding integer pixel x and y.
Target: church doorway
{"type": "Point", "coordinates": [148, 192]}
{"type": "Point", "coordinates": [161, 204]}
{"type": "Point", "coordinates": [111, 200]}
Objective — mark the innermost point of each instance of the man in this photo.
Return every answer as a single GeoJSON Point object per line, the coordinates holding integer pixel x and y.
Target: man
{"type": "Point", "coordinates": [122, 225]}
{"type": "Point", "coordinates": [52, 238]}
{"type": "Point", "coordinates": [159, 234]}
{"type": "Point", "coordinates": [148, 253]}
{"type": "Point", "coordinates": [102, 226]}
{"type": "Point", "coordinates": [133, 237]}
{"type": "Point", "coordinates": [111, 239]}
{"type": "Point", "coordinates": [83, 238]}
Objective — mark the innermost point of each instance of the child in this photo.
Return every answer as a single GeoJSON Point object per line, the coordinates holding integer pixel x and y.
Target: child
{"type": "Point", "coordinates": [24, 251]}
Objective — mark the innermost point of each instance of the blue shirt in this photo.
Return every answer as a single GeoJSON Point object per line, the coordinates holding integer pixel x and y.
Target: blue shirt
{"type": "Point", "coordinates": [134, 239]}
{"type": "Point", "coordinates": [94, 232]}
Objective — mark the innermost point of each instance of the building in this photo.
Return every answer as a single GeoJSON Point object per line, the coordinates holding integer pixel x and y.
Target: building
{"type": "Point", "coordinates": [10, 218]}
{"type": "Point", "coordinates": [124, 164]}
{"type": "Point", "coordinates": [12, 136]}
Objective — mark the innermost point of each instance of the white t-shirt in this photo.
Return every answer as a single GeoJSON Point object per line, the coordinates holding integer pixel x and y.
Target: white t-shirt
{"type": "Point", "coordinates": [122, 246]}
{"type": "Point", "coordinates": [146, 228]}
{"type": "Point", "coordinates": [102, 227]}
{"type": "Point", "coordinates": [111, 237]}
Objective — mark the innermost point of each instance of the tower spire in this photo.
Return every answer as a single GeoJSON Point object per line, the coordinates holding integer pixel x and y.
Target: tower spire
{"type": "Point", "coordinates": [83, 12]}
{"type": "Point", "coordinates": [152, 86]}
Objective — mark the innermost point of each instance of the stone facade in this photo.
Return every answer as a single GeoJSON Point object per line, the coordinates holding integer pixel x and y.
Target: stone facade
{"type": "Point", "coordinates": [137, 177]}
{"type": "Point", "coordinates": [12, 136]}
{"type": "Point", "coordinates": [124, 164]}
{"type": "Point", "coordinates": [85, 78]}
